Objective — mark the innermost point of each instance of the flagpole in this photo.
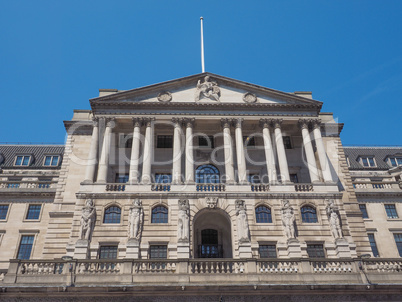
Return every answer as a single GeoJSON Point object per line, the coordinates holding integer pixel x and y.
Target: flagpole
{"type": "Point", "coordinates": [202, 47]}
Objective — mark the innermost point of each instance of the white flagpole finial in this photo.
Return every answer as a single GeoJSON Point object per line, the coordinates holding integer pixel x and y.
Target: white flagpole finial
{"type": "Point", "coordinates": [202, 47]}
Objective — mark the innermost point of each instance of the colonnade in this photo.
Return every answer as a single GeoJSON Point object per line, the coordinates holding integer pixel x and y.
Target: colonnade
{"type": "Point", "coordinates": [267, 126]}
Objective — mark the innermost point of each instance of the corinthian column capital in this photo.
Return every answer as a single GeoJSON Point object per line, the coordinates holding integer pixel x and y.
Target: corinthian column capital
{"type": "Point", "coordinates": [238, 122]}
{"type": "Point", "coordinates": [277, 122]}
{"type": "Point", "coordinates": [137, 121]}
{"type": "Point", "coordinates": [225, 122]}
{"type": "Point", "coordinates": [316, 123]}
{"type": "Point", "coordinates": [265, 123]}
{"type": "Point", "coordinates": [147, 121]}
{"type": "Point", "coordinates": [303, 123]}
{"type": "Point", "coordinates": [111, 122]}
{"type": "Point", "coordinates": [189, 122]}
{"type": "Point", "coordinates": [95, 121]}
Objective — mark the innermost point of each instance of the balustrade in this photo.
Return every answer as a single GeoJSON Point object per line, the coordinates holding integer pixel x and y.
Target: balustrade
{"type": "Point", "coordinates": [331, 266]}
{"type": "Point", "coordinates": [218, 266]}
{"type": "Point", "coordinates": [259, 188]}
{"type": "Point", "coordinates": [27, 185]}
{"type": "Point", "coordinates": [277, 266]}
{"type": "Point", "coordinates": [211, 187]}
{"type": "Point", "coordinates": [304, 188]}
{"type": "Point", "coordinates": [160, 187]}
{"type": "Point", "coordinates": [115, 187]}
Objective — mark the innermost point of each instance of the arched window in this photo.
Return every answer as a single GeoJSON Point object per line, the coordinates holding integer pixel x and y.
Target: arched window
{"type": "Point", "coordinates": [309, 214]}
{"type": "Point", "coordinates": [112, 215]}
{"type": "Point", "coordinates": [208, 174]}
{"type": "Point", "coordinates": [263, 214]}
{"type": "Point", "coordinates": [159, 215]}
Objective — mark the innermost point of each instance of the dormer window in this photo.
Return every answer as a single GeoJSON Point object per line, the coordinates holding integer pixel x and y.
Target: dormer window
{"type": "Point", "coordinates": [395, 161]}
{"type": "Point", "coordinates": [367, 161]}
{"type": "Point", "coordinates": [22, 160]}
{"type": "Point", "coordinates": [51, 160]}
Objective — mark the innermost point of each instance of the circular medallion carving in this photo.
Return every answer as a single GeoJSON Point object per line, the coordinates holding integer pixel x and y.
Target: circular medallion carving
{"type": "Point", "coordinates": [165, 97]}
{"type": "Point", "coordinates": [249, 97]}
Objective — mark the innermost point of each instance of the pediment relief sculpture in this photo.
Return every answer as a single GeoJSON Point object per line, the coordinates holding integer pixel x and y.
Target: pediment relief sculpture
{"type": "Point", "coordinates": [207, 89]}
{"type": "Point", "coordinates": [164, 97]}
{"type": "Point", "coordinates": [249, 98]}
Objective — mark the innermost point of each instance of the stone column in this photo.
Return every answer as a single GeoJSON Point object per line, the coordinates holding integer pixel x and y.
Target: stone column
{"type": "Point", "coordinates": [228, 151]}
{"type": "Point", "coordinates": [135, 151]}
{"type": "Point", "coordinates": [104, 159]}
{"type": "Point", "coordinates": [308, 149]}
{"type": "Point", "coordinates": [241, 161]}
{"type": "Point", "coordinates": [93, 153]}
{"type": "Point", "coordinates": [322, 155]}
{"type": "Point", "coordinates": [176, 169]}
{"type": "Point", "coordinates": [148, 151]}
{"type": "Point", "coordinates": [189, 122]}
{"type": "Point", "coordinates": [269, 151]}
{"type": "Point", "coordinates": [280, 149]}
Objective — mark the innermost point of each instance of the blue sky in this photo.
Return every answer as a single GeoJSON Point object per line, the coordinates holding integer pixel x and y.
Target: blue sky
{"type": "Point", "coordinates": [55, 55]}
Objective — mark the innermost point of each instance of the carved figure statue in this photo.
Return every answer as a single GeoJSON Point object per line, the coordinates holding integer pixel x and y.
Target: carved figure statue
{"type": "Point", "coordinates": [243, 232]}
{"type": "Point", "coordinates": [288, 219]}
{"type": "Point", "coordinates": [88, 218]}
{"type": "Point", "coordinates": [333, 218]}
{"type": "Point", "coordinates": [135, 220]}
{"type": "Point", "coordinates": [183, 227]}
{"type": "Point", "coordinates": [208, 89]}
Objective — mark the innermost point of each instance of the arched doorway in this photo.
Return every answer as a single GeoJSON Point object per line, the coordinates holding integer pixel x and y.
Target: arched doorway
{"type": "Point", "coordinates": [212, 234]}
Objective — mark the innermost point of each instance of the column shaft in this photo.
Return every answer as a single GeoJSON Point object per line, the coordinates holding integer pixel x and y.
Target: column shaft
{"type": "Point", "coordinates": [135, 151]}
{"type": "Point", "coordinates": [148, 152]}
{"type": "Point", "coordinates": [308, 149]}
{"type": "Point", "coordinates": [228, 151]}
{"type": "Point", "coordinates": [104, 159]}
{"type": "Point", "coordinates": [241, 161]}
{"type": "Point", "coordinates": [269, 152]}
{"type": "Point", "coordinates": [189, 151]}
{"type": "Point", "coordinates": [93, 154]}
{"type": "Point", "coordinates": [176, 169]}
{"type": "Point", "coordinates": [322, 155]}
{"type": "Point", "coordinates": [280, 149]}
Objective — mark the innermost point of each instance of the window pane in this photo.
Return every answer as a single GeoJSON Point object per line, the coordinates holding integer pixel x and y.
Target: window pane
{"type": "Point", "coordinates": [363, 209]}
{"type": "Point", "coordinates": [112, 215]}
{"type": "Point", "coordinates": [249, 141]}
{"type": "Point", "coordinates": [267, 251]}
{"type": "Point", "coordinates": [399, 161]}
{"type": "Point", "coordinates": [33, 211]}
{"type": "Point", "coordinates": [206, 141]}
{"type": "Point", "coordinates": [207, 174]}
{"type": "Point", "coordinates": [25, 249]}
{"type": "Point", "coordinates": [315, 251]}
{"type": "Point", "coordinates": [122, 178]}
{"type": "Point", "coordinates": [253, 178]}
{"type": "Point", "coordinates": [158, 252]}
{"type": "Point", "coordinates": [3, 211]}
{"type": "Point", "coordinates": [373, 245]}
{"type": "Point", "coordinates": [287, 143]}
{"type": "Point", "coordinates": [293, 178]}
{"type": "Point", "coordinates": [398, 241]}
{"type": "Point", "coordinates": [263, 214]}
{"type": "Point", "coordinates": [393, 161]}
{"type": "Point", "coordinates": [159, 215]}
{"type": "Point", "coordinates": [364, 161]}
{"type": "Point", "coordinates": [309, 214]}
{"type": "Point", "coordinates": [26, 161]}
{"type": "Point", "coordinates": [18, 162]}
{"type": "Point", "coordinates": [55, 160]}
{"type": "Point", "coordinates": [108, 252]}
{"type": "Point", "coordinates": [371, 161]}
{"type": "Point", "coordinates": [391, 211]}
{"type": "Point", "coordinates": [164, 141]}
{"type": "Point", "coordinates": [48, 160]}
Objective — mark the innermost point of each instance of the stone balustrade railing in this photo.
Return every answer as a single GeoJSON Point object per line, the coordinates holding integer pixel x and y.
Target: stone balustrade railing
{"type": "Point", "coordinates": [304, 188]}
{"type": "Point", "coordinates": [28, 184]}
{"type": "Point", "coordinates": [259, 188]}
{"type": "Point", "coordinates": [376, 186]}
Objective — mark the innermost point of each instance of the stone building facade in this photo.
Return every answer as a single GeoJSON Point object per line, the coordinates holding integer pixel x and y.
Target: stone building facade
{"type": "Point", "coordinates": [201, 183]}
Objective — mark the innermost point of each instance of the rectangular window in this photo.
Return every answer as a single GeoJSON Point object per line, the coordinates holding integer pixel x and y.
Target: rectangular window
{"type": "Point", "coordinates": [164, 141]}
{"type": "Point", "coordinates": [391, 211]}
{"type": "Point", "coordinates": [51, 160]}
{"type": "Point", "coordinates": [315, 251]}
{"type": "Point", "coordinates": [108, 252]}
{"type": "Point", "coordinates": [33, 211]}
{"type": "Point", "coordinates": [25, 249]}
{"type": "Point", "coordinates": [373, 245]}
{"type": "Point", "coordinates": [22, 160]}
{"type": "Point", "coordinates": [363, 209]}
{"type": "Point", "coordinates": [267, 251]}
{"type": "Point", "coordinates": [158, 252]}
{"type": "Point", "coordinates": [293, 178]}
{"type": "Point", "coordinates": [121, 178]}
{"type": "Point", "coordinates": [3, 211]}
{"type": "Point", "coordinates": [287, 142]}
{"type": "Point", "coordinates": [395, 161]}
{"type": "Point", "coordinates": [206, 141]}
{"type": "Point", "coordinates": [163, 178]}
{"type": "Point", "coordinates": [249, 141]}
{"type": "Point", "coordinates": [253, 178]}
{"type": "Point", "coordinates": [398, 241]}
{"type": "Point", "coordinates": [367, 161]}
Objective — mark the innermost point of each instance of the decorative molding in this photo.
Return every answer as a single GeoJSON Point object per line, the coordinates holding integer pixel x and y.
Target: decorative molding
{"type": "Point", "coordinates": [164, 97]}
{"type": "Point", "coordinates": [249, 98]}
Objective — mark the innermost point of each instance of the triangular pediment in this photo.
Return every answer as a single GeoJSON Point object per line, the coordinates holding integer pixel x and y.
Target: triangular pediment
{"type": "Point", "coordinates": [201, 90]}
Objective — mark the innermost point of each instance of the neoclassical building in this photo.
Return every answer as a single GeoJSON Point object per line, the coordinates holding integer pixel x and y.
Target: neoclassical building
{"type": "Point", "coordinates": [200, 188]}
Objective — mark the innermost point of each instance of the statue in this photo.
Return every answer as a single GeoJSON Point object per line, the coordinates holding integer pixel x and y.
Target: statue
{"type": "Point", "coordinates": [242, 223]}
{"type": "Point", "coordinates": [183, 230]}
{"type": "Point", "coordinates": [88, 219]}
{"type": "Point", "coordinates": [135, 220]}
{"type": "Point", "coordinates": [333, 218]}
{"type": "Point", "coordinates": [208, 89]}
{"type": "Point", "coordinates": [288, 219]}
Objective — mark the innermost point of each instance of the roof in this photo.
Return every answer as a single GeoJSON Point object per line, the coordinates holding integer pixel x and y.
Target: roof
{"type": "Point", "coordinates": [38, 153]}
{"type": "Point", "coordinates": [380, 155]}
